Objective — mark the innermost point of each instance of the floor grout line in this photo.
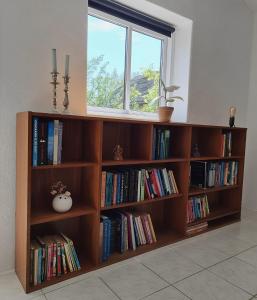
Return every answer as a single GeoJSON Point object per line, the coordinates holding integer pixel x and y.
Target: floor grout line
{"type": "Point", "coordinates": [107, 285]}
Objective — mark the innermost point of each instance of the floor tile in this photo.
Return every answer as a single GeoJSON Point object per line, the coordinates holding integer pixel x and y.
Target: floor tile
{"type": "Point", "coordinates": [11, 289]}
{"type": "Point", "coordinates": [228, 243]}
{"type": "Point", "coordinates": [207, 286]}
{"type": "Point", "coordinates": [202, 254]}
{"type": "Point", "coordinates": [249, 256]}
{"type": "Point", "coordinates": [238, 273]}
{"type": "Point", "coordinates": [89, 289]}
{"type": "Point", "coordinates": [169, 293]}
{"type": "Point", "coordinates": [170, 265]}
{"type": "Point", "coordinates": [246, 230]}
{"type": "Point", "coordinates": [133, 281]}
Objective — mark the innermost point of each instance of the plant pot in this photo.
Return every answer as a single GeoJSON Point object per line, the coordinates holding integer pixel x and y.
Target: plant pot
{"type": "Point", "coordinates": [165, 113]}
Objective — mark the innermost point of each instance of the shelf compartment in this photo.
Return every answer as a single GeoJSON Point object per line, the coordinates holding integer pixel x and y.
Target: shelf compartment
{"type": "Point", "coordinates": [40, 217]}
{"type": "Point", "coordinates": [197, 191]}
{"type": "Point", "coordinates": [179, 141]}
{"type": "Point", "coordinates": [208, 141]}
{"type": "Point", "coordinates": [238, 141]}
{"type": "Point", "coordinates": [80, 139]}
{"type": "Point", "coordinates": [81, 230]}
{"type": "Point", "coordinates": [145, 202]}
{"type": "Point", "coordinates": [222, 203]}
{"type": "Point", "coordinates": [135, 140]}
{"type": "Point", "coordinates": [81, 182]}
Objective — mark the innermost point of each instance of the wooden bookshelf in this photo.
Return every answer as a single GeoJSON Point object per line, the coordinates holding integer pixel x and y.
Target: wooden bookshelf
{"type": "Point", "coordinates": [88, 144]}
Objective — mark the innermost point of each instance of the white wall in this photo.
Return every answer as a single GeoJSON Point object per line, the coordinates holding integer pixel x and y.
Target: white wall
{"type": "Point", "coordinates": [28, 31]}
{"type": "Point", "coordinates": [250, 190]}
{"type": "Point", "coordinates": [30, 28]}
{"type": "Point", "coordinates": [222, 35]}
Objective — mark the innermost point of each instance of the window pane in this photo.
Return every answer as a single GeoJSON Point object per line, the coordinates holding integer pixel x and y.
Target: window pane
{"type": "Point", "coordinates": [145, 72]}
{"type": "Point", "coordinates": [106, 63]}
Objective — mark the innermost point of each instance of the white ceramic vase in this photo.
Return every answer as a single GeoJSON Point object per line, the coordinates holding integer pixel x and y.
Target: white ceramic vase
{"type": "Point", "coordinates": [62, 202]}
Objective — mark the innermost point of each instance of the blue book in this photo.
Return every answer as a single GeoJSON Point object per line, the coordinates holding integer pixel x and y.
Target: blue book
{"type": "Point", "coordinates": [105, 234]}
{"type": "Point", "coordinates": [39, 273]}
{"type": "Point", "coordinates": [35, 129]}
{"type": "Point", "coordinates": [50, 142]}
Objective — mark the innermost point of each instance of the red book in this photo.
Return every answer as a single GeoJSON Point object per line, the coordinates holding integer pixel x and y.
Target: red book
{"type": "Point", "coordinates": [154, 184]}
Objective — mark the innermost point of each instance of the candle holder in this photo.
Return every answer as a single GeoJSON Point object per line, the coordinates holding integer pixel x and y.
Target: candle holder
{"type": "Point", "coordinates": [66, 102]}
{"type": "Point", "coordinates": [54, 82]}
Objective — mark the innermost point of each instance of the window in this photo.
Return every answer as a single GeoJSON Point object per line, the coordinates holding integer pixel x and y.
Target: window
{"type": "Point", "coordinates": [125, 64]}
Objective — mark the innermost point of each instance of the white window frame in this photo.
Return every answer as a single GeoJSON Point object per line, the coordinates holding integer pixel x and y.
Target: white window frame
{"type": "Point", "coordinates": [166, 62]}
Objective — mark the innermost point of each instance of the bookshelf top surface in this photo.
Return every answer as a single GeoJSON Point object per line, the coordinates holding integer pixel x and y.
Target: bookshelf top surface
{"type": "Point", "coordinates": [122, 120]}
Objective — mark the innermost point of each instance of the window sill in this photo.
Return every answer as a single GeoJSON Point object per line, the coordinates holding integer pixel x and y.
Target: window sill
{"type": "Point", "coordinates": [124, 115]}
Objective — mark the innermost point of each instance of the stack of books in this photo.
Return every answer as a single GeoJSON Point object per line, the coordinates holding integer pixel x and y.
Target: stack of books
{"type": "Point", "coordinates": [226, 146]}
{"type": "Point", "coordinates": [46, 142]}
{"type": "Point", "coordinates": [197, 208]}
{"type": "Point", "coordinates": [161, 143]}
{"type": "Point", "coordinates": [192, 230]}
{"type": "Point", "coordinates": [121, 231]}
{"type": "Point", "coordinates": [211, 174]}
{"type": "Point", "coordinates": [52, 256]}
{"type": "Point", "coordinates": [134, 185]}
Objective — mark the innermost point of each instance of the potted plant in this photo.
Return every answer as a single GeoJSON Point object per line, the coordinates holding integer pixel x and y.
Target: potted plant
{"type": "Point", "coordinates": [165, 110]}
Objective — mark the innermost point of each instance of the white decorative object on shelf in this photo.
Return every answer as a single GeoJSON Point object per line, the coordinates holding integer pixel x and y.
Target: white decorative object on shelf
{"type": "Point", "coordinates": [62, 201]}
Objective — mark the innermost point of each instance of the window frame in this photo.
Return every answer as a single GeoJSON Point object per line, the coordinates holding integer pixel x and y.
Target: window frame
{"type": "Point", "coordinates": [166, 61]}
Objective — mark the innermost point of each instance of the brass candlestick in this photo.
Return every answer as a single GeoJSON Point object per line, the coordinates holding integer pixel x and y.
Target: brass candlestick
{"type": "Point", "coordinates": [66, 103]}
{"type": "Point", "coordinates": [54, 82]}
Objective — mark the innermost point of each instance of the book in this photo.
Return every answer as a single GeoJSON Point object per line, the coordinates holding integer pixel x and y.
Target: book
{"type": "Point", "coordinates": [35, 135]}
{"type": "Point", "coordinates": [42, 143]}
{"type": "Point", "coordinates": [197, 208]}
{"type": "Point", "coordinates": [50, 142]}
{"type": "Point", "coordinates": [56, 143]}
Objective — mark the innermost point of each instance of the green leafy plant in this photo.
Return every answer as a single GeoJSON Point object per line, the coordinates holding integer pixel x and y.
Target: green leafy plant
{"type": "Point", "coordinates": [168, 90]}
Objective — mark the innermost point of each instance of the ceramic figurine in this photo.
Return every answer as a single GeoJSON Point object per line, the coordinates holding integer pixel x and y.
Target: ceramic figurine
{"type": "Point", "coordinates": [62, 201]}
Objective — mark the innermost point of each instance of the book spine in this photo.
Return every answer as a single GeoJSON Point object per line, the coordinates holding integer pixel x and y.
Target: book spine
{"type": "Point", "coordinates": [35, 129]}
{"type": "Point", "coordinates": [103, 188]}
{"type": "Point", "coordinates": [50, 142]}
{"type": "Point", "coordinates": [56, 129]}
{"type": "Point", "coordinates": [60, 133]}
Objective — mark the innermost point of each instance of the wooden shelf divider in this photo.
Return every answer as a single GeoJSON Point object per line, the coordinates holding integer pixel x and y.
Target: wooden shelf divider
{"type": "Point", "coordinates": [87, 150]}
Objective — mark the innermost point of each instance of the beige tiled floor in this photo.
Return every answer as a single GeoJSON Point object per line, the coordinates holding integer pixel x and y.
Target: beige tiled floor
{"type": "Point", "coordinates": [214, 266]}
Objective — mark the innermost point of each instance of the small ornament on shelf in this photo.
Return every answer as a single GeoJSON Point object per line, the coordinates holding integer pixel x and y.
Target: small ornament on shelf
{"type": "Point", "coordinates": [232, 116]}
{"type": "Point", "coordinates": [62, 201]}
{"type": "Point", "coordinates": [118, 153]}
{"type": "Point", "coordinates": [195, 151]}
